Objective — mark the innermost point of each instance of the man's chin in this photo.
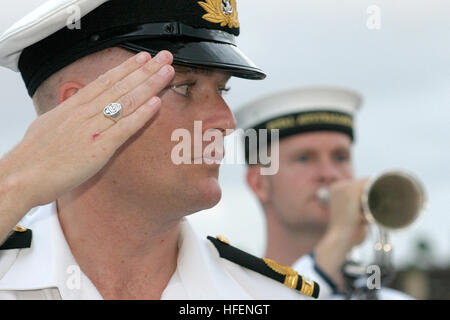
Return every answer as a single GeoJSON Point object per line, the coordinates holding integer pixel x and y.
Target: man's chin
{"type": "Point", "coordinates": [209, 193]}
{"type": "Point", "coordinates": [320, 212]}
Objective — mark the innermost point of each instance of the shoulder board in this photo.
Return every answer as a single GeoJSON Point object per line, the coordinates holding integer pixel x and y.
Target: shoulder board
{"type": "Point", "coordinates": [19, 238]}
{"type": "Point", "coordinates": [270, 268]}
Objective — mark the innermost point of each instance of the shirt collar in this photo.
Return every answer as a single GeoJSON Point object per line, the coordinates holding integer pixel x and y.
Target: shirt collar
{"type": "Point", "coordinates": [49, 262]}
{"type": "Point", "coordinates": [200, 272]}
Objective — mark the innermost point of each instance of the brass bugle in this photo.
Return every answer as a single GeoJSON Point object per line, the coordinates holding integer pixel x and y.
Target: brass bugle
{"type": "Point", "coordinates": [393, 199]}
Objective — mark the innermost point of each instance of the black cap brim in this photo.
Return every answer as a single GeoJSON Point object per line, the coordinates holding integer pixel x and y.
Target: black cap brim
{"type": "Point", "coordinates": [198, 53]}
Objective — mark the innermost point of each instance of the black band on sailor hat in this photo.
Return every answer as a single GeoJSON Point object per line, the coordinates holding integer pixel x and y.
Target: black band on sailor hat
{"type": "Point", "coordinates": [301, 110]}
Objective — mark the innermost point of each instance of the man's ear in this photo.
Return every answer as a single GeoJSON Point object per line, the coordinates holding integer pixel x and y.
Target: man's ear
{"type": "Point", "coordinates": [67, 90]}
{"type": "Point", "coordinates": [258, 183]}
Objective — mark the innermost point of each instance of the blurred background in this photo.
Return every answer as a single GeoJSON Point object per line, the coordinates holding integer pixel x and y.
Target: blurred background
{"type": "Point", "coordinates": [395, 53]}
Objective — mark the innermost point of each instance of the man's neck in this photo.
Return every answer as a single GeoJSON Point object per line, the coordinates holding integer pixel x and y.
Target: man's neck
{"type": "Point", "coordinates": [286, 245]}
{"type": "Point", "coordinates": [126, 252]}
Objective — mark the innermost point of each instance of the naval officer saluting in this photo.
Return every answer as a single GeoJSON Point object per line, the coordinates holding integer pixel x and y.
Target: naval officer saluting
{"type": "Point", "coordinates": [96, 162]}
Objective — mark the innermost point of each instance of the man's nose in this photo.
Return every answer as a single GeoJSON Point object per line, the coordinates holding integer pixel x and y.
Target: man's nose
{"type": "Point", "coordinates": [220, 117]}
{"type": "Point", "coordinates": [327, 172]}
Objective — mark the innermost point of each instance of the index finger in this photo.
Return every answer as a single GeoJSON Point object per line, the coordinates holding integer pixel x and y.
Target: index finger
{"type": "Point", "coordinates": [108, 79]}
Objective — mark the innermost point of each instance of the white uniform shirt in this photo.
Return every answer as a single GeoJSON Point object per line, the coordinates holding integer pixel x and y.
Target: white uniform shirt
{"type": "Point", "coordinates": [48, 270]}
{"type": "Point", "coordinates": [308, 266]}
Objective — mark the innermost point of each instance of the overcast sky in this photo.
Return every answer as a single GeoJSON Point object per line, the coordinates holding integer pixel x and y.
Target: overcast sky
{"type": "Point", "coordinates": [402, 70]}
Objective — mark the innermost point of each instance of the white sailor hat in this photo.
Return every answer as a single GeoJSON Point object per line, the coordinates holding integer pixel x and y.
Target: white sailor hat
{"type": "Point", "coordinates": [303, 109]}
{"type": "Point", "coordinates": [198, 34]}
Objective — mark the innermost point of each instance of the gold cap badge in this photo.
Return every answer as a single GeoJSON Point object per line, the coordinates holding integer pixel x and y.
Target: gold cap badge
{"type": "Point", "coordinates": [221, 11]}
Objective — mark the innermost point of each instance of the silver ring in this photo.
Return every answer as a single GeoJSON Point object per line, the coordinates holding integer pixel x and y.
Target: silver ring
{"type": "Point", "coordinates": [113, 111]}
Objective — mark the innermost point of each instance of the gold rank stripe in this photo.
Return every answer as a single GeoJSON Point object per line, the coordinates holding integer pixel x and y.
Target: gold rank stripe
{"type": "Point", "coordinates": [291, 277]}
{"type": "Point", "coordinates": [307, 286]}
{"type": "Point", "coordinates": [291, 281]}
{"type": "Point", "coordinates": [308, 119]}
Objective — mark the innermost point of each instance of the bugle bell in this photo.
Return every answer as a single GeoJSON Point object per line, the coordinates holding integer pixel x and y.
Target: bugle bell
{"type": "Point", "coordinates": [393, 199]}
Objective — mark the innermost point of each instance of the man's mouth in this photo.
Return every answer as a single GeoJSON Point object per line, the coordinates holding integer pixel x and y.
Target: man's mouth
{"type": "Point", "coordinates": [213, 159]}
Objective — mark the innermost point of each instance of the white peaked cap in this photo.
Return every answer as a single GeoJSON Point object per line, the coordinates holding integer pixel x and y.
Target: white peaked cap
{"type": "Point", "coordinates": [45, 20]}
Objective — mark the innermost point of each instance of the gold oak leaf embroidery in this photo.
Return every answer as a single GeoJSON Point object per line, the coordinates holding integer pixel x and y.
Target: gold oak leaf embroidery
{"type": "Point", "coordinates": [216, 13]}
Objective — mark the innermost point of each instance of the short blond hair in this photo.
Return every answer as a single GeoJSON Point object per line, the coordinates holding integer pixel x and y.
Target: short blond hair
{"type": "Point", "coordinates": [45, 98]}
{"type": "Point", "coordinates": [83, 70]}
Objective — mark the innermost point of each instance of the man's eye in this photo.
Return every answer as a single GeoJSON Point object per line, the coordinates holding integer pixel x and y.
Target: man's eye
{"type": "Point", "coordinates": [302, 158]}
{"type": "Point", "coordinates": [182, 89]}
{"type": "Point", "coordinates": [223, 91]}
{"type": "Point", "coordinates": [341, 158]}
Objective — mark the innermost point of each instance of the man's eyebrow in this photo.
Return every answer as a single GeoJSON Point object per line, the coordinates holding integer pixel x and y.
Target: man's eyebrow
{"type": "Point", "coordinates": [303, 150]}
{"type": "Point", "coordinates": [341, 149]}
{"type": "Point", "coordinates": [227, 77]}
{"type": "Point", "coordinates": [186, 70]}
{"type": "Point", "coordinates": [203, 71]}
{"type": "Point", "coordinates": [311, 150]}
